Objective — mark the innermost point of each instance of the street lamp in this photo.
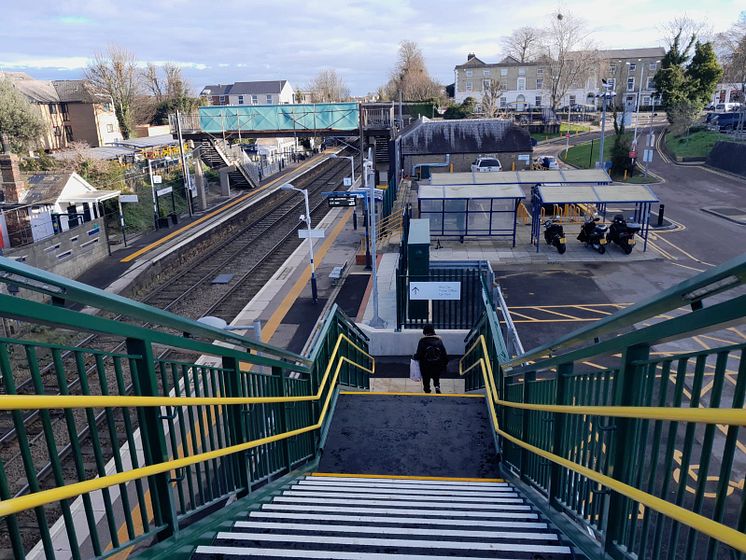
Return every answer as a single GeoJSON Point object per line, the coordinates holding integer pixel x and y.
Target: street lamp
{"type": "Point", "coordinates": [307, 219]}
{"type": "Point", "coordinates": [606, 94]}
{"type": "Point", "coordinates": [352, 163]}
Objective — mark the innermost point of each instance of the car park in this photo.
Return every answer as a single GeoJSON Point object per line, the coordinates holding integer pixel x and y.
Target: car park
{"type": "Point", "coordinates": [485, 165]}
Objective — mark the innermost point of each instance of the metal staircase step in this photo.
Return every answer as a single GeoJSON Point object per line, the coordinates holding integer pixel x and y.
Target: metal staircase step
{"type": "Point", "coordinates": [395, 520]}
{"type": "Point", "coordinates": [340, 543]}
{"type": "Point", "coordinates": [211, 552]}
{"type": "Point", "coordinates": [502, 498]}
{"type": "Point", "coordinates": [368, 480]}
{"type": "Point", "coordinates": [409, 488]}
{"type": "Point", "coordinates": [440, 533]}
{"type": "Point", "coordinates": [508, 505]}
{"type": "Point", "coordinates": [518, 512]}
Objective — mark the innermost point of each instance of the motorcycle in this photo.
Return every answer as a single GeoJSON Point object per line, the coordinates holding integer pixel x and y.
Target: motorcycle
{"type": "Point", "coordinates": [623, 233]}
{"type": "Point", "coordinates": [554, 234]}
{"type": "Point", "coordinates": [593, 234]}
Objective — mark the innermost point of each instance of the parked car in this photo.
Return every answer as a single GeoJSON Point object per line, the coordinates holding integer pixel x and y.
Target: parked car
{"type": "Point", "coordinates": [485, 165]}
{"type": "Point", "coordinates": [547, 162]}
{"type": "Point", "coordinates": [727, 107]}
{"type": "Point", "coordinates": [726, 121]}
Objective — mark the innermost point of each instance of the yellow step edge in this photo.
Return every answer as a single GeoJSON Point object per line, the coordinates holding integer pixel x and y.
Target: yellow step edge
{"type": "Point", "coordinates": [407, 477]}
{"type": "Point", "coordinates": [403, 394]}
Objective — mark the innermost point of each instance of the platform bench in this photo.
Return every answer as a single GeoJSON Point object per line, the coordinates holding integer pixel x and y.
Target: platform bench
{"type": "Point", "coordinates": [336, 274]}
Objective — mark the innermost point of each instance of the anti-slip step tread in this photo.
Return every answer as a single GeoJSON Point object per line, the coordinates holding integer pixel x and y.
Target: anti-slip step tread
{"type": "Point", "coordinates": [507, 505]}
{"type": "Point", "coordinates": [421, 496]}
{"type": "Point", "coordinates": [340, 542]}
{"type": "Point", "coordinates": [508, 513]}
{"type": "Point", "coordinates": [412, 481]}
{"type": "Point", "coordinates": [375, 489]}
{"type": "Point", "coordinates": [393, 520]}
{"type": "Point", "coordinates": [258, 552]}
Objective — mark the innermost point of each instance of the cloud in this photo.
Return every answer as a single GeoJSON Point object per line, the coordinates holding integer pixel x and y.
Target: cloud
{"type": "Point", "coordinates": [60, 63]}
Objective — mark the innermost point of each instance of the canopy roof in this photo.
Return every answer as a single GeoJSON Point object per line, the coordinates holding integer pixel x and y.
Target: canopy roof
{"type": "Point", "coordinates": [578, 194]}
{"type": "Point", "coordinates": [90, 197]}
{"type": "Point", "coordinates": [436, 192]}
{"type": "Point", "coordinates": [577, 176]}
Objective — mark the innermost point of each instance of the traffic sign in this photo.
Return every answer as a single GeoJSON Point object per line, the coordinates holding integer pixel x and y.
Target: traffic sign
{"type": "Point", "coordinates": [435, 290]}
{"type": "Point", "coordinates": [341, 201]}
{"type": "Point", "coordinates": [632, 154]}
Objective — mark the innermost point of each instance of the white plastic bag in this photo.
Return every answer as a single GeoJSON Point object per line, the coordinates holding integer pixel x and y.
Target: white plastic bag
{"type": "Point", "coordinates": [414, 370]}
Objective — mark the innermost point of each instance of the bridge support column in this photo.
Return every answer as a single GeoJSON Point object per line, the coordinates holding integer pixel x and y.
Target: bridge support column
{"type": "Point", "coordinates": [225, 182]}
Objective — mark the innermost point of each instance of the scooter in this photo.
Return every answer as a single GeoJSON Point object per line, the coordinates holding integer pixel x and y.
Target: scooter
{"type": "Point", "coordinates": [554, 234]}
{"type": "Point", "coordinates": [593, 234]}
{"type": "Point", "coordinates": [623, 233]}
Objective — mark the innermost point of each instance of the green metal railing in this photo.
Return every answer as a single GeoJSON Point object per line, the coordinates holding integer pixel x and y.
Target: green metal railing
{"type": "Point", "coordinates": [643, 453]}
{"type": "Point", "coordinates": [127, 447]}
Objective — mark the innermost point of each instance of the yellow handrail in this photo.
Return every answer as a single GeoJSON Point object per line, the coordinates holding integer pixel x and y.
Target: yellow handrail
{"type": "Point", "coordinates": [718, 531]}
{"type": "Point", "coordinates": [23, 503]}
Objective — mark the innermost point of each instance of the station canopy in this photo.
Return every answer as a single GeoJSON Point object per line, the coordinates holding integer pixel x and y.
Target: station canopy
{"type": "Point", "coordinates": [573, 176]}
{"type": "Point", "coordinates": [597, 194]}
{"type": "Point", "coordinates": [469, 191]}
{"type": "Point", "coordinates": [91, 197]}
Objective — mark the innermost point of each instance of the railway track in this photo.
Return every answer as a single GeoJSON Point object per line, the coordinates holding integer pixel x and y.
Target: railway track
{"type": "Point", "coordinates": [251, 256]}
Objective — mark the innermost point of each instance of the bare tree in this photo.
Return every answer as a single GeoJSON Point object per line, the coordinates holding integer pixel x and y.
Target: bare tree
{"type": "Point", "coordinates": [688, 30]}
{"type": "Point", "coordinates": [410, 76]}
{"type": "Point", "coordinates": [491, 99]}
{"type": "Point", "coordinates": [114, 72]}
{"type": "Point", "coordinates": [328, 86]}
{"type": "Point", "coordinates": [733, 54]}
{"type": "Point", "coordinates": [165, 82]}
{"type": "Point", "coordinates": [523, 44]}
{"type": "Point", "coordinates": [569, 54]}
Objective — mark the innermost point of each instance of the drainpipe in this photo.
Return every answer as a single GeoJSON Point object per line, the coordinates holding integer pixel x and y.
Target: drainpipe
{"type": "Point", "coordinates": [446, 163]}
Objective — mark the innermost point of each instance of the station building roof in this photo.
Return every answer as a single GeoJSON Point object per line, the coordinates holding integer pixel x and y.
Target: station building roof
{"type": "Point", "coordinates": [437, 192]}
{"type": "Point", "coordinates": [561, 176]}
{"type": "Point", "coordinates": [599, 194]}
{"type": "Point", "coordinates": [464, 136]}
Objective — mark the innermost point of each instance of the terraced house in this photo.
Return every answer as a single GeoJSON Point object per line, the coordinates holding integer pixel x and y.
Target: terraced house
{"type": "Point", "coordinates": [527, 84]}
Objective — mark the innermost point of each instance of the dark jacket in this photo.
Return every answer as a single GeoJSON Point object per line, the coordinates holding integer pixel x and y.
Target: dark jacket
{"type": "Point", "coordinates": [430, 367]}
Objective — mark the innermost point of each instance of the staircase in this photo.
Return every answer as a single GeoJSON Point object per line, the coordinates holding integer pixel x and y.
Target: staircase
{"type": "Point", "coordinates": [215, 158]}
{"type": "Point", "coordinates": [344, 517]}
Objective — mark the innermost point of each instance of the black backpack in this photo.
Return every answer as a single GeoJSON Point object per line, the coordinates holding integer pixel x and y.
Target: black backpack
{"type": "Point", "coordinates": [433, 354]}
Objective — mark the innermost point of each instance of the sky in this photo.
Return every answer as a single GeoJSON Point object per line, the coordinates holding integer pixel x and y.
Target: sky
{"type": "Point", "coordinates": [222, 41]}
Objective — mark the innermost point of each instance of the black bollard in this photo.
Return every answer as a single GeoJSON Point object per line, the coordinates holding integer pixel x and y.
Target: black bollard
{"type": "Point", "coordinates": [661, 209]}
{"type": "Point", "coordinates": [354, 221]}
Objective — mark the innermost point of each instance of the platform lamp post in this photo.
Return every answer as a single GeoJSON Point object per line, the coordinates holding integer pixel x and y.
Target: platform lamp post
{"type": "Point", "coordinates": [370, 185]}
{"type": "Point", "coordinates": [352, 163]}
{"type": "Point", "coordinates": [306, 218]}
{"type": "Point", "coordinates": [606, 94]}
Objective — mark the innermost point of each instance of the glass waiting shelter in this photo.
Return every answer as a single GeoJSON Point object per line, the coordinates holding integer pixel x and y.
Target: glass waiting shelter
{"type": "Point", "coordinates": [470, 210]}
{"type": "Point", "coordinates": [640, 196]}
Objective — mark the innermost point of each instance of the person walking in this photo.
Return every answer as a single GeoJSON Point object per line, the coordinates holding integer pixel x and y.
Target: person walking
{"type": "Point", "coordinates": [432, 357]}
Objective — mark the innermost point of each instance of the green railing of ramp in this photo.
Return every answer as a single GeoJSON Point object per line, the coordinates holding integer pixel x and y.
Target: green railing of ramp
{"type": "Point", "coordinates": [159, 423]}
{"type": "Point", "coordinates": [300, 117]}
{"type": "Point", "coordinates": [642, 453]}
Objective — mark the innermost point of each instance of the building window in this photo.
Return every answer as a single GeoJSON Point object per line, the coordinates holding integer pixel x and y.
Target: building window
{"type": "Point", "coordinates": [539, 83]}
{"type": "Point", "coordinates": [108, 107]}
{"type": "Point", "coordinates": [632, 67]}
{"type": "Point", "coordinates": [612, 69]}
{"type": "Point", "coordinates": [109, 128]}
{"type": "Point", "coordinates": [538, 101]}
{"type": "Point", "coordinates": [651, 83]}
{"type": "Point", "coordinates": [646, 100]}
{"type": "Point", "coordinates": [653, 66]}
{"type": "Point", "coordinates": [468, 73]}
{"type": "Point", "coordinates": [240, 99]}
{"type": "Point", "coordinates": [223, 100]}
{"type": "Point", "coordinates": [254, 99]}
{"type": "Point", "coordinates": [521, 71]}
{"type": "Point", "coordinates": [63, 110]}
{"type": "Point", "coordinates": [540, 72]}
{"type": "Point", "coordinates": [468, 85]}
{"type": "Point", "coordinates": [611, 83]}
{"type": "Point", "coordinates": [521, 85]}
{"type": "Point", "coordinates": [52, 109]}
{"type": "Point", "coordinates": [269, 100]}
{"type": "Point", "coordinates": [69, 133]}
{"type": "Point", "coordinates": [503, 71]}
{"type": "Point", "coordinates": [630, 84]}
{"type": "Point", "coordinates": [486, 72]}
{"type": "Point", "coordinates": [486, 84]}
{"type": "Point", "coordinates": [572, 100]}
{"type": "Point", "coordinates": [503, 101]}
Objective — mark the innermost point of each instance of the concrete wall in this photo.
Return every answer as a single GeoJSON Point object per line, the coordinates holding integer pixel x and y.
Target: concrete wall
{"type": "Point", "coordinates": [387, 342]}
{"type": "Point", "coordinates": [69, 253]}
{"type": "Point", "coordinates": [729, 156]}
{"type": "Point", "coordinates": [462, 162]}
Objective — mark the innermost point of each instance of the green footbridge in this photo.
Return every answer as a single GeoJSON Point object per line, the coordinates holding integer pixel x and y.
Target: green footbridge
{"type": "Point", "coordinates": [161, 437]}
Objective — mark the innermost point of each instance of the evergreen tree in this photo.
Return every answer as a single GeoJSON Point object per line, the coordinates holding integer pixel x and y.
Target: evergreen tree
{"type": "Point", "coordinates": [703, 73]}
{"type": "Point", "coordinates": [20, 124]}
{"type": "Point", "coordinates": [670, 80]}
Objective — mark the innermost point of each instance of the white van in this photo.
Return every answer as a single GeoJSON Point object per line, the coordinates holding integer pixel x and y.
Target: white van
{"type": "Point", "coordinates": [727, 107]}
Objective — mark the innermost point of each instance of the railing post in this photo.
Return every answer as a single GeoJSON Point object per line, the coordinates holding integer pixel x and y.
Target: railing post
{"type": "Point", "coordinates": [283, 420]}
{"type": "Point", "coordinates": [563, 370]}
{"type": "Point", "coordinates": [153, 437]}
{"type": "Point", "coordinates": [236, 422]}
{"type": "Point", "coordinates": [622, 455]}
{"type": "Point", "coordinates": [529, 376]}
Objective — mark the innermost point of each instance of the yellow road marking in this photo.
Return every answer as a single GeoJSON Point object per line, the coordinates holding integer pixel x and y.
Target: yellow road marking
{"type": "Point", "coordinates": [684, 252]}
{"type": "Point", "coordinates": [700, 342]}
{"type": "Point", "coordinates": [157, 243]}
{"type": "Point", "coordinates": [595, 365]}
{"type": "Point", "coordinates": [407, 477]}
{"type": "Point", "coordinates": [559, 314]}
{"type": "Point", "coordinates": [688, 267]}
{"type": "Point", "coordinates": [593, 310]}
{"type": "Point", "coordinates": [575, 320]}
{"type": "Point", "coordinates": [582, 306]}
{"type": "Point", "coordinates": [716, 339]}
{"type": "Point", "coordinates": [521, 315]}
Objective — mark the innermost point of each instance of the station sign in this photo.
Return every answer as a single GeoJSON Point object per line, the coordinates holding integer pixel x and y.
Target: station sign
{"type": "Point", "coordinates": [157, 179]}
{"type": "Point", "coordinates": [347, 181]}
{"type": "Point", "coordinates": [435, 290]}
{"type": "Point", "coordinates": [128, 198]}
{"type": "Point", "coordinates": [315, 233]}
{"type": "Point", "coordinates": [166, 190]}
{"type": "Point", "coordinates": [341, 201]}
